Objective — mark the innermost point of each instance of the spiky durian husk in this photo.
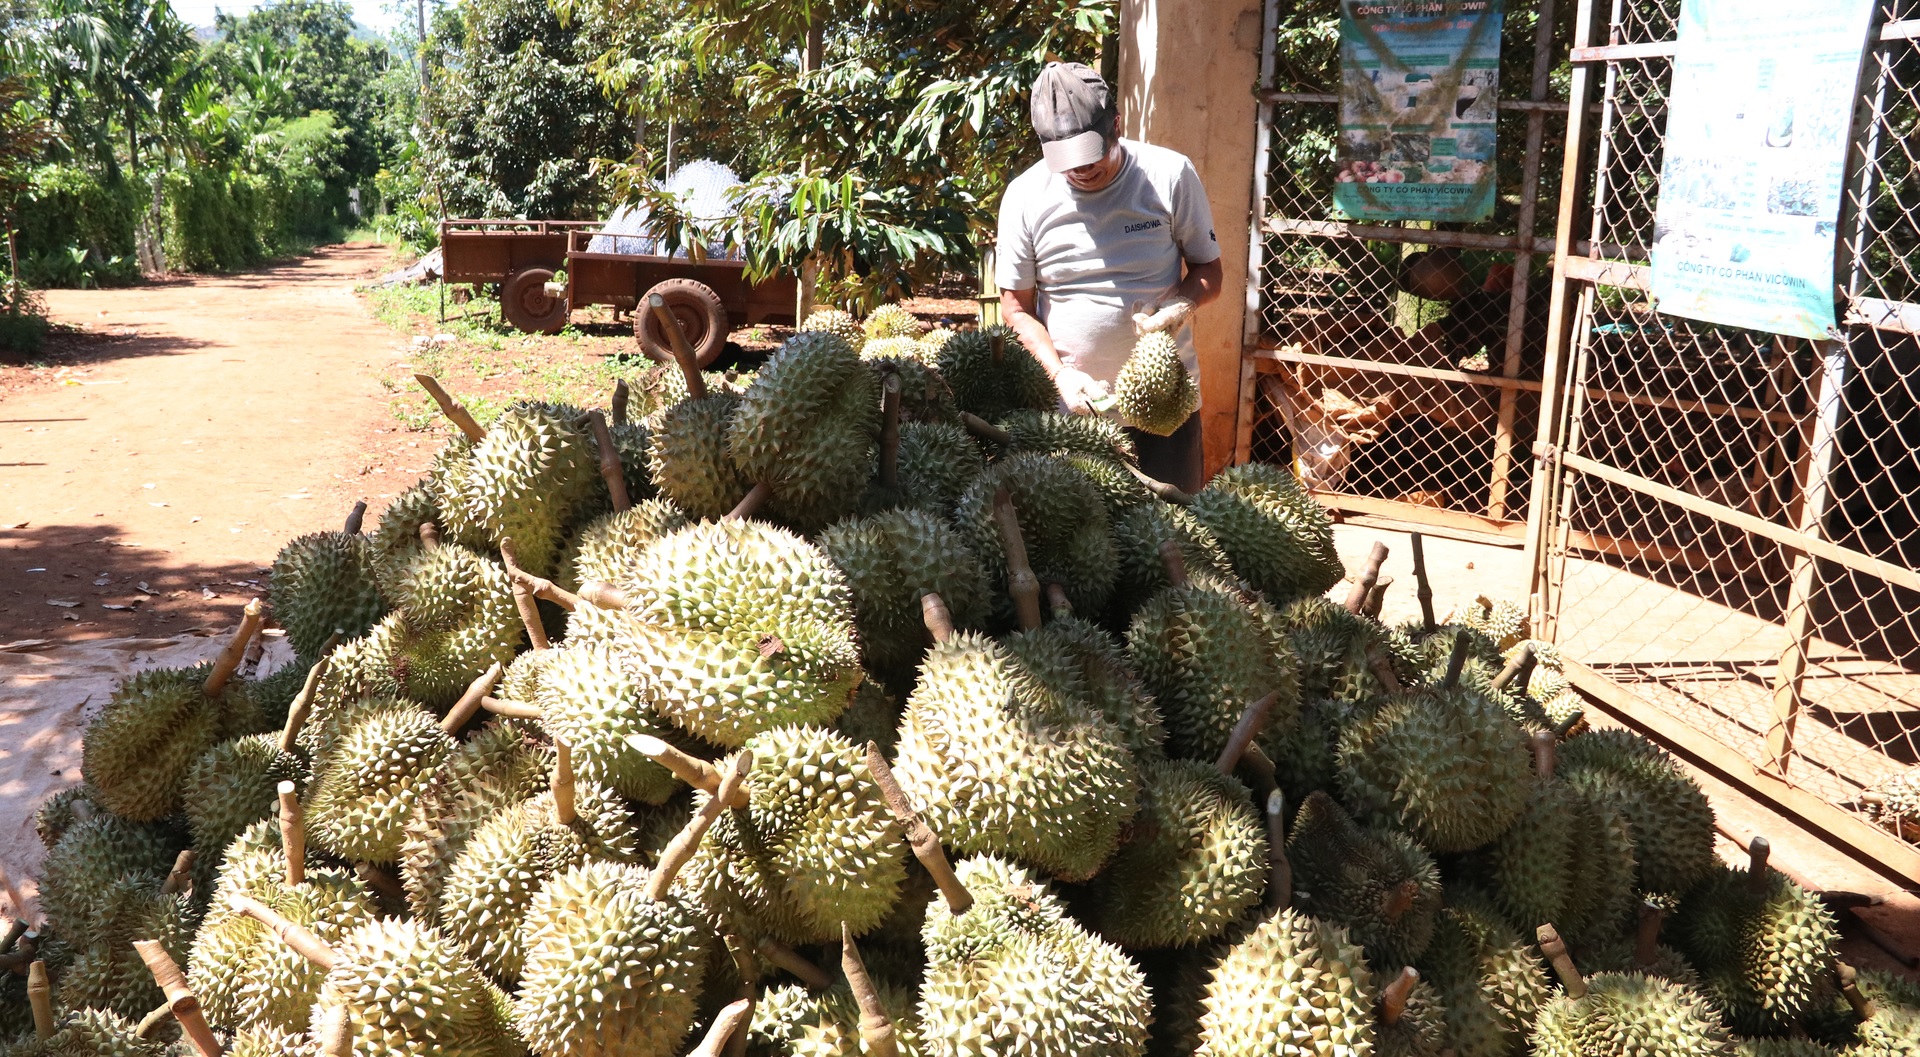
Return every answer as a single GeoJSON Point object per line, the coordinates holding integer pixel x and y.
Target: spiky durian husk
{"type": "Point", "coordinates": [456, 618]}
{"type": "Point", "coordinates": [1786, 1048]}
{"type": "Point", "coordinates": [1336, 651]}
{"type": "Point", "coordinates": [61, 810]}
{"type": "Point", "coordinates": [1198, 861]}
{"type": "Point", "coordinates": [534, 469]}
{"type": "Point", "coordinates": [1119, 490]}
{"type": "Point", "coordinates": [688, 458]}
{"type": "Point", "coordinates": [261, 1043]}
{"type": "Point", "coordinates": [1631, 1015]}
{"type": "Point", "coordinates": [1140, 572]}
{"type": "Point", "coordinates": [609, 972]}
{"type": "Point", "coordinates": [1447, 765]}
{"type": "Point", "coordinates": [1421, 1030]}
{"type": "Point", "coordinates": [937, 463]}
{"type": "Point", "coordinates": [603, 548]}
{"type": "Point", "coordinates": [322, 583]}
{"type": "Point", "coordinates": [1670, 819]}
{"type": "Point", "coordinates": [245, 977]}
{"type": "Point", "coordinates": [362, 667]}
{"type": "Point", "coordinates": [1346, 875]}
{"type": "Point", "coordinates": [592, 703]}
{"type": "Point", "coordinates": [1063, 523]}
{"type": "Point", "coordinates": [138, 750]}
{"type": "Point", "coordinates": [1894, 1028]}
{"type": "Point", "coordinates": [364, 787]}
{"type": "Point", "coordinates": [736, 627]}
{"type": "Point", "coordinates": [1278, 539]}
{"type": "Point", "coordinates": [93, 1033]}
{"type": "Point", "coordinates": [1766, 957]}
{"type": "Point", "coordinates": [924, 395]}
{"type": "Point", "coordinates": [873, 716]}
{"type": "Point", "coordinates": [893, 321]}
{"type": "Point", "coordinates": [790, 1021]}
{"type": "Point", "coordinates": [835, 321]}
{"type": "Point", "coordinates": [991, 385]}
{"type": "Point", "coordinates": [449, 480]}
{"type": "Point", "coordinates": [1501, 621]}
{"type": "Point", "coordinates": [1154, 391]}
{"type": "Point", "coordinates": [1306, 758]}
{"type": "Point", "coordinates": [1079, 659]}
{"type": "Point", "coordinates": [1205, 655]}
{"type": "Point", "coordinates": [890, 349]}
{"type": "Point", "coordinates": [1050, 432]}
{"type": "Point", "coordinates": [397, 538]}
{"type": "Point", "coordinates": [387, 974]}
{"type": "Point", "coordinates": [233, 785]}
{"type": "Point", "coordinates": [106, 972]}
{"type": "Point", "coordinates": [498, 766]}
{"type": "Point", "coordinates": [806, 427]}
{"type": "Point", "coordinates": [253, 862]}
{"type": "Point", "coordinates": [274, 692]}
{"type": "Point", "coordinates": [890, 560]}
{"type": "Point", "coordinates": [1002, 762]}
{"type": "Point", "coordinates": [90, 856]}
{"type": "Point", "coordinates": [1491, 982]}
{"type": "Point", "coordinates": [1016, 975]}
{"type": "Point", "coordinates": [1566, 861]}
{"type": "Point", "coordinates": [1293, 978]}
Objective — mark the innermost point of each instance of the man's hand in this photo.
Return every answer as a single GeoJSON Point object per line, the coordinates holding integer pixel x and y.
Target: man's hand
{"type": "Point", "coordinates": [1169, 315]}
{"type": "Point", "coordinates": [1078, 390]}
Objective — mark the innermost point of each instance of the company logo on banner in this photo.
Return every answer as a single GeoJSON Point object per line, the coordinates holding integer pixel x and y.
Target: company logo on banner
{"type": "Point", "coordinates": [1419, 89]}
{"type": "Point", "coordinates": [1756, 149]}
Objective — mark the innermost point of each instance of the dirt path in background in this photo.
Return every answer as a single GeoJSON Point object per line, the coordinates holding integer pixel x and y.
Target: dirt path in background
{"type": "Point", "coordinates": [193, 428]}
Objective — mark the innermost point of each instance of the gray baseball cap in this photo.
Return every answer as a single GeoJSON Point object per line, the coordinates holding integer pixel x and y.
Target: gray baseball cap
{"type": "Point", "coordinates": [1073, 113]}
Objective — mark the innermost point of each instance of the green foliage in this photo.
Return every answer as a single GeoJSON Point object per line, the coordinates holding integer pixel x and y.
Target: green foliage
{"type": "Point", "coordinates": [292, 58]}
{"type": "Point", "coordinates": [76, 228]}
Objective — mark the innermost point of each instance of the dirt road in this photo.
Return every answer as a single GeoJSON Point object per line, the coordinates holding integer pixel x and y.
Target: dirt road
{"type": "Point", "coordinates": [200, 424]}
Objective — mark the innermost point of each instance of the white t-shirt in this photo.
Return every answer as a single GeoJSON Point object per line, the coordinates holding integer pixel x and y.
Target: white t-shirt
{"type": "Point", "coordinates": [1093, 254]}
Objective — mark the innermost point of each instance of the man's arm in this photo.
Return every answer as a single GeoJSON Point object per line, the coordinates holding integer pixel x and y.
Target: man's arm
{"type": "Point", "coordinates": [1202, 283]}
{"type": "Point", "coordinates": [1017, 311]}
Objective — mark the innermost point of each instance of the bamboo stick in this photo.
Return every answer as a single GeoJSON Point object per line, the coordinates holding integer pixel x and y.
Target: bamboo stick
{"type": "Point", "coordinates": [293, 834]}
{"type": "Point", "coordinates": [786, 958]}
{"type": "Point", "coordinates": [876, 1028]}
{"type": "Point", "coordinates": [614, 474]}
{"type": "Point", "coordinates": [690, 769]}
{"type": "Point", "coordinates": [1021, 583]}
{"type": "Point", "coordinates": [1279, 868]}
{"type": "Point", "coordinates": [229, 660]}
{"type": "Point", "coordinates": [1422, 588]}
{"type": "Point", "coordinates": [920, 837]}
{"type": "Point", "coordinates": [681, 848]}
{"type": "Point", "coordinates": [1557, 956]}
{"type": "Point", "coordinates": [40, 997]}
{"type": "Point", "coordinates": [180, 878]}
{"type": "Point", "coordinates": [1244, 731]}
{"type": "Point", "coordinates": [939, 620]}
{"type": "Point", "coordinates": [523, 596]}
{"type": "Point", "coordinates": [677, 342]}
{"type": "Point", "coordinates": [750, 503]}
{"type": "Point", "coordinates": [468, 706]}
{"type": "Point", "coordinates": [302, 941]}
{"type": "Point", "coordinates": [1394, 997]}
{"type": "Point", "coordinates": [1369, 573]}
{"type": "Point", "coordinates": [726, 1024]}
{"type": "Point", "coordinates": [618, 407]}
{"type": "Point", "coordinates": [180, 997]}
{"type": "Point", "coordinates": [563, 806]}
{"type": "Point", "coordinates": [356, 517]}
{"type": "Point", "coordinates": [302, 705]}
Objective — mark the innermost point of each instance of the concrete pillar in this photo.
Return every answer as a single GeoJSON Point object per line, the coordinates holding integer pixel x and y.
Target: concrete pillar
{"type": "Point", "coordinates": [1187, 72]}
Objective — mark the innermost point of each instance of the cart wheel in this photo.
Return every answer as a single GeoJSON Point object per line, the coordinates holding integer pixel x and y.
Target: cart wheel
{"type": "Point", "coordinates": [527, 305]}
{"type": "Point", "coordinates": [703, 319]}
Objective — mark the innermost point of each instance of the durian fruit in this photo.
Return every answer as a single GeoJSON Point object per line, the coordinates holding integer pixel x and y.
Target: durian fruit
{"type": "Point", "coordinates": [257, 1043]}
{"type": "Point", "coordinates": [1078, 658]}
{"type": "Point", "coordinates": [735, 627]}
{"type": "Point", "coordinates": [688, 458]}
{"type": "Point", "coordinates": [992, 373]}
{"type": "Point", "coordinates": [105, 971]}
{"type": "Point", "coordinates": [924, 395]}
{"type": "Point", "coordinates": [56, 813]}
{"type": "Point", "coordinates": [937, 463]}
{"type": "Point", "coordinates": [806, 428]}
{"type": "Point", "coordinates": [813, 849]}
{"type": "Point", "coordinates": [589, 700]}
{"type": "Point", "coordinates": [1631, 1015]}
{"type": "Point", "coordinates": [535, 468]}
{"type": "Point", "coordinates": [890, 349]}
{"type": "Point", "coordinates": [1062, 521]}
{"type": "Point", "coordinates": [1002, 762]}
{"type": "Point", "coordinates": [1893, 1029]}
{"type": "Point", "coordinates": [449, 481]}
{"type": "Point", "coordinates": [1378, 884]}
{"type": "Point", "coordinates": [322, 583]}
{"type": "Point", "coordinates": [498, 766]}
{"type": "Point", "coordinates": [1783, 1048]}
{"type": "Point", "coordinates": [1015, 974]}
{"type": "Point", "coordinates": [1444, 763]}
{"type": "Point", "coordinates": [889, 561]}
{"type": "Point", "coordinates": [1306, 759]}
{"type": "Point", "coordinates": [455, 617]}
{"type": "Point", "coordinates": [93, 1033]}
{"type": "Point", "coordinates": [1141, 570]}
{"type": "Point", "coordinates": [1764, 946]}
{"type": "Point", "coordinates": [1051, 432]}
{"type": "Point", "coordinates": [1667, 814]}
{"type": "Point", "coordinates": [1154, 391]}
{"type": "Point", "coordinates": [92, 854]}
{"type": "Point", "coordinates": [1292, 985]}
{"type": "Point", "coordinates": [602, 547]}
{"type": "Point", "coordinates": [1206, 656]}
{"type": "Point", "coordinates": [274, 692]}
{"type": "Point", "coordinates": [365, 785]}
{"type": "Point", "coordinates": [1279, 540]}
{"type": "Point", "coordinates": [231, 786]}
{"type": "Point", "coordinates": [933, 341]}
{"type": "Point", "coordinates": [1340, 653]}
{"type": "Point", "coordinates": [396, 540]}
{"type": "Point", "coordinates": [835, 321]}
{"type": "Point", "coordinates": [791, 1021]}
{"type": "Point", "coordinates": [138, 750]}
{"type": "Point", "coordinates": [1491, 982]}
{"type": "Point", "coordinates": [1198, 860]}
{"type": "Point", "coordinates": [406, 989]}
{"type": "Point", "coordinates": [892, 321]}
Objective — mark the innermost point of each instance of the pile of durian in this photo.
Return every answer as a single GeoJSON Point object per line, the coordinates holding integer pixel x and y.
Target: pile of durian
{"type": "Point", "coordinates": [870, 706]}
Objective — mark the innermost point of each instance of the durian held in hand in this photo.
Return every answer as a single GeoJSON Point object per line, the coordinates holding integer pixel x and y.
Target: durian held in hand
{"type": "Point", "coordinates": [1154, 390]}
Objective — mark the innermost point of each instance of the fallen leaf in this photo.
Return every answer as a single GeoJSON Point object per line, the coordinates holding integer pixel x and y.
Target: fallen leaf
{"type": "Point", "coordinates": [208, 592]}
{"type": "Point", "coordinates": [62, 603]}
{"type": "Point", "coordinates": [109, 605]}
{"type": "Point", "coordinates": [103, 581]}
{"type": "Point", "coordinates": [144, 589]}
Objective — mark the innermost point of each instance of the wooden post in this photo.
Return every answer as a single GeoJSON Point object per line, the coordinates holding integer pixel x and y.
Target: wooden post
{"type": "Point", "coordinates": [920, 836]}
{"type": "Point", "coordinates": [1819, 457]}
{"type": "Point", "coordinates": [180, 997]}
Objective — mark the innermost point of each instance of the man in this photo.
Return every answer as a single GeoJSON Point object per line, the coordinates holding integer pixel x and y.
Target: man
{"type": "Point", "coordinates": [1092, 244]}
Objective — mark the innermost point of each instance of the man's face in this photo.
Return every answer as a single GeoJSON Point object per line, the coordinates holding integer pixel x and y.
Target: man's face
{"type": "Point", "coordinates": [1095, 175]}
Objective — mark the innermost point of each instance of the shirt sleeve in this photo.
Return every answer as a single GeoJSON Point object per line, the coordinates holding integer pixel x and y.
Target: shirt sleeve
{"type": "Point", "coordinates": [1014, 267]}
{"type": "Point", "coordinates": [1193, 218]}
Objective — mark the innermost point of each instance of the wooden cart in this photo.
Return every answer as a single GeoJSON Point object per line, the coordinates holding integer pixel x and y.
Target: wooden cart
{"type": "Point", "coordinates": [709, 297]}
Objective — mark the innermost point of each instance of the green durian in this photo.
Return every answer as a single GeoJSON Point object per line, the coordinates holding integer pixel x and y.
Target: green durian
{"type": "Point", "coordinates": [590, 701]}
{"type": "Point", "coordinates": [1154, 391]}
{"type": "Point", "coordinates": [688, 458]}
{"type": "Point", "coordinates": [835, 321]}
{"type": "Point", "coordinates": [1063, 523]}
{"type": "Point", "coordinates": [890, 349]}
{"type": "Point", "coordinates": [94, 1033]}
{"type": "Point", "coordinates": [1140, 571]}
{"type": "Point", "coordinates": [1420, 1031]}
{"type": "Point", "coordinates": [1079, 659]}
{"type": "Point", "coordinates": [992, 373]}
{"type": "Point", "coordinates": [258, 1043]}
{"type": "Point", "coordinates": [1894, 1028]}
{"type": "Point", "coordinates": [1784, 1048]}
{"type": "Point", "coordinates": [1447, 765]}
{"type": "Point", "coordinates": [92, 854]}
{"type": "Point", "coordinates": [499, 766]}
{"type": "Point", "coordinates": [273, 693]}
{"type": "Point", "coordinates": [924, 395]}
{"type": "Point", "coordinates": [937, 463]}
{"type": "Point", "coordinates": [790, 1021]}
{"type": "Point", "coordinates": [364, 787]}
{"type": "Point", "coordinates": [1669, 817]}
{"type": "Point", "coordinates": [1279, 540]}
{"type": "Point", "coordinates": [138, 750]}
{"type": "Point", "coordinates": [1766, 955]}
{"type": "Point", "coordinates": [1293, 985]}
{"type": "Point", "coordinates": [1491, 982]}
{"type": "Point", "coordinates": [396, 540]}
{"type": "Point", "coordinates": [1378, 884]}
{"type": "Point", "coordinates": [1050, 432]}
{"type": "Point", "coordinates": [806, 427]}
{"type": "Point", "coordinates": [892, 321]}
{"type": "Point", "coordinates": [245, 977]}
{"type": "Point", "coordinates": [535, 468]}
{"type": "Point", "coordinates": [890, 560]}
{"type": "Point", "coordinates": [1566, 861]}
{"type": "Point", "coordinates": [388, 974]}
{"type": "Point", "coordinates": [449, 480]}
{"type": "Point", "coordinates": [1338, 651]}
{"type": "Point", "coordinates": [1631, 1015]}
{"type": "Point", "coordinates": [455, 618]}
{"type": "Point", "coordinates": [233, 785]}
{"type": "Point", "coordinates": [873, 716]}
{"type": "Point", "coordinates": [603, 547]}
{"type": "Point", "coordinates": [1205, 655]}
{"type": "Point", "coordinates": [1198, 860]}
{"type": "Point", "coordinates": [106, 971]}
{"type": "Point", "coordinates": [325, 582]}
{"type": "Point", "coordinates": [73, 804]}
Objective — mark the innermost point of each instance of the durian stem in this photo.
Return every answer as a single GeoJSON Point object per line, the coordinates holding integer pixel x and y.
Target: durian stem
{"type": "Point", "coordinates": [1557, 956]}
{"type": "Point", "coordinates": [677, 341]}
{"type": "Point", "coordinates": [523, 596]}
{"type": "Point", "coordinates": [355, 516]}
{"type": "Point", "coordinates": [998, 346]}
{"type": "Point", "coordinates": [17, 960]}
{"type": "Point", "coordinates": [1369, 573]}
{"type": "Point", "coordinates": [1394, 997]}
{"type": "Point", "coordinates": [690, 769]}
{"type": "Point", "coordinates": [180, 878]}
{"type": "Point", "coordinates": [1057, 601]}
{"type": "Point", "coordinates": [786, 958]}
{"type": "Point", "coordinates": [1021, 583]}
{"type": "Point", "coordinates": [618, 407]}
{"type": "Point", "coordinates": [1264, 775]}
{"type": "Point", "coordinates": [749, 972]}
{"type": "Point", "coordinates": [1850, 987]}
{"type": "Point", "coordinates": [302, 705]}
{"type": "Point", "coordinates": [1521, 664]}
{"type": "Point", "coordinates": [563, 809]}
{"type": "Point", "coordinates": [890, 432]}
{"type": "Point", "coordinates": [14, 932]}
{"type": "Point", "coordinates": [510, 709]}
{"type": "Point", "coordinates": [681, 848]}
{"type": "Point", "coordinates": [1544, 754]}
{"type": "Point", "coordinates": [1382, 669]}
{"type": "Point", "coordinates": [381, 881]}
{"type": "Point", "coordinates": [934, 612]}
{"type": "Point", "coordinates": [920, 836]}
{"type": "Point", "coordinates": [468, 706]}
{"type": "Point", "coordinates": [450, 407]}
{"type": "Point", "coordinates": [1279, 868]}
{"type": "Point", "coordinates": [1571, 725]}
{"type": "Point", "coordinates": [876, 1028]}
{"type": "Point", "coordinates": [1757, 851]}
{"type": "Point", "coordinates": [1396, 901]}
{"type": "Point", "coordinates": [1244, 731]}
{"type": "Point", "coordinates": [1646, 935]}
{"type": "Point", "coordinates": [229, 660]}
{"type": "Point", "coordinates": [335, 1032]}
{"type": "Point", "coordinates": [1377, 598]}
{"type": "Point", "coordinates": [302, 941]}
{"type": "Point", "coordinates": [985, 430]}
{"type": "Point", "coordinates": [1174, 561]}
{"type": "Point", "coordinates": [429, 535]}
{"type": "Point", "coordinates": [180, 997]}
{"type": "Point", "coordinates": [151, 1022]}
{"type": "Point", "coordinates": [1166, 492]}
{"type": "Point", "coordinates": [726, 1024]}
{"type": "Point", "coordinates": [1457, 660]}
{"type": "Point", "coordinates": [40, 996]}
{"type": "Point", "coordinates": [293, 834]}
{"type": "Point", "coordinates": [1422, 589]}
{"type": "Point", "coordinates": [750, 503]}
{"type": "Point", "coordinates": [603, 594]}
{"type": "Point", "coordinates": [610, 469]}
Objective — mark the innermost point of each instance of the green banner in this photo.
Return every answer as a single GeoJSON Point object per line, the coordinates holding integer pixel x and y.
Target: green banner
{"type": "Point", "coordinates": [1419, 89]}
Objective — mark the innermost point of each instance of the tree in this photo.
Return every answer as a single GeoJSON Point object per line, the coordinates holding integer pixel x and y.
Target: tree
{"type": "Point", "coordinates": [295, 57]}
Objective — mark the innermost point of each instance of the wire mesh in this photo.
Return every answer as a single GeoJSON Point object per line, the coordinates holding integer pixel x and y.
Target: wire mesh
{"type": "Point", "coordinates": [1732, 533]}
